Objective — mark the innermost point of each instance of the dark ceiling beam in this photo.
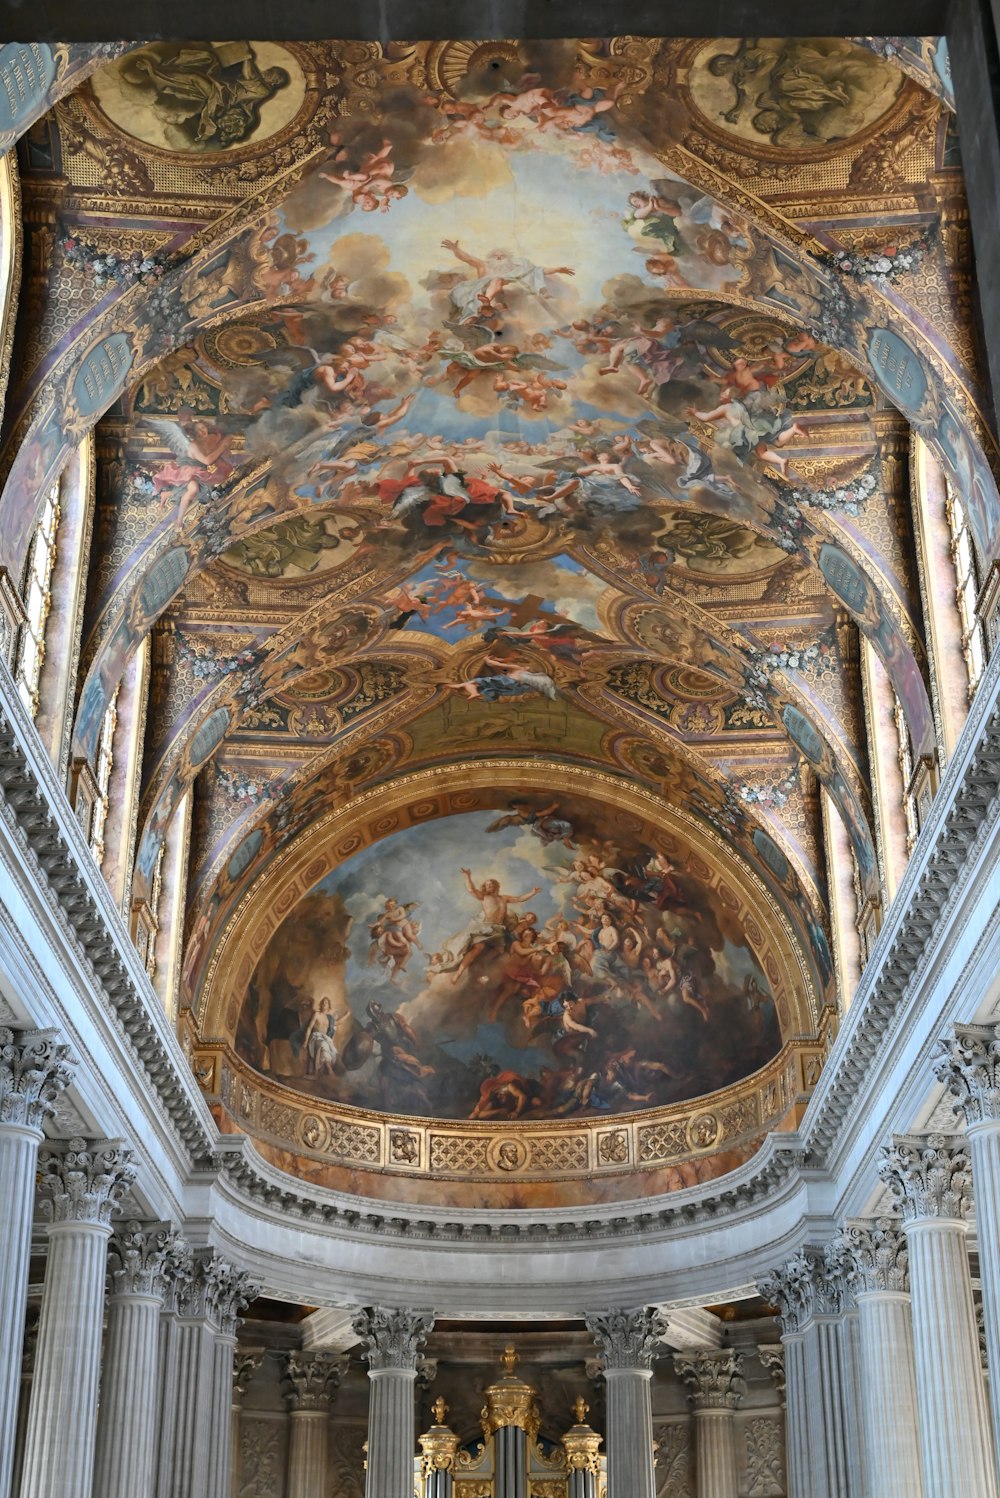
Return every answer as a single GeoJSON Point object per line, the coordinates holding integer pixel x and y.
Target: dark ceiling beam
{"type": "Point", "coordinates": [431, 20]}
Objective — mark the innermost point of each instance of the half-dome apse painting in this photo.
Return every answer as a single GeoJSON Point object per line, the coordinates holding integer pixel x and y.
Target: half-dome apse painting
{"type": "Point", "coordinates": [540, 963]}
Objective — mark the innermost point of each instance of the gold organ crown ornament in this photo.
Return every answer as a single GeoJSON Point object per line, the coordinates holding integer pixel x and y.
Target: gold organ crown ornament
{"type": "Point", "coordinates": [582, 1444]}
{"type": "Point", "coordinates": [439, 1445]}
{"type": "Point", "coordinates": [510, 1401]}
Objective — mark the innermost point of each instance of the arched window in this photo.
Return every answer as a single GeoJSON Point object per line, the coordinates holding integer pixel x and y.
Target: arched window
{"type": "Point", "coordinates": [968, 581]}
{"type": "Point", "coordinates": [105, 760]}
{"type": "Point", "coordinates": [10, 261]}
{"type": "Point", "coordinates": [37, 594]}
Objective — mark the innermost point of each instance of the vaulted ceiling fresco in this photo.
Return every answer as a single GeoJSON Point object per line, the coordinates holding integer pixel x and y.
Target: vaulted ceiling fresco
{"type": "Point", "coordinates": [503, 415]}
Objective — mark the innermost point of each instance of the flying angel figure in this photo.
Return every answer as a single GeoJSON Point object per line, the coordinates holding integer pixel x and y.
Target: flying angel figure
{"type": "Point", "coordinates": [469, 352]}
{"type": "Point", "coordinates": [204, 452]}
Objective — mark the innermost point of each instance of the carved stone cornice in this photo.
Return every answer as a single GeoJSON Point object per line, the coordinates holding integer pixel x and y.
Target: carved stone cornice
{"type": "Point", "coordinates": [771, 1356]}
{"type": "Point", "coordinates": [969, 1067]}
{"type": "Point", "coordinates": [245, 1365]}
{"type": "Point", "coordinates": [627, 1338]}
{"type": "Point", "coordinates": [928, 1175]}
{"type": "Point", "coordinates": [214, 1290]}
{"type": "Point", "coordinates": [85, 1181]}
{"type": "Point", "coordinates": [137, 1255]}
{"type": "Point", "coordinates": [715, 1379]}
{"type": "Point", "coordinates": [392, 1338]}
{"type": "Point", "coordinates": [35, 1068]}
{"type": "Point", "coordinates": [314, 1378]}
{"type": "Point", "coordinates": [874, 1252]}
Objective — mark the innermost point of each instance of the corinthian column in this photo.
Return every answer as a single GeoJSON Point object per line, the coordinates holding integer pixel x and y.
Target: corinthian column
{"type": "Point", "coordinates": [127, 1425]}
{"type": "Point", "coordinates": [205, 1296]}
{"type": "Point", "coordinates": [716, 1386]}
{"type": "Point", "coordinates": [821, 1375]}
{"type": "Point", "coordinates": [627, 1341]}
{"type": "Point", "coordinates": [80, 1186]}
{"type": "Point", "coordinates": [392, 1340]}
{"type": "Point", "coordinates": [928, 1176]}
{"type": "Point", "coordinates": [313, 1377]}
{"type": "Point", "coordinates": [876, 1255]}
{"type": "Point", "coordinates": [970, 1069]}
{"type": "Point", "coordinates": [34, 1069]}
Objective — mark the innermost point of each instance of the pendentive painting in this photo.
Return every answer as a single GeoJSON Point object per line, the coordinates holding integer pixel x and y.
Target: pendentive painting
{"type": "Point", "coordinates": [533, 961]}
{"type": "Point", "coordinates": [202, 96]}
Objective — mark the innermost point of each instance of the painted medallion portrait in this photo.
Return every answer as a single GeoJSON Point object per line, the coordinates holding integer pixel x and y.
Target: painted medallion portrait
{"type": "Point", "coordinates": [790, 92]}
{"type": "Point", "coordinates": [202, 96]}
{"type": "Point", "coordinates": [530, 962]}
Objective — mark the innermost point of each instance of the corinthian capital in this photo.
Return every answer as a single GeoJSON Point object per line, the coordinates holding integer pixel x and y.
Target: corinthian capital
{"type": "Point", "coordinates": [627, 1338]}
{"type": "Point", "coordinates": [137, 1257]}
{"type": "Point", "coordinates": [85, 1181]}
{"type": "Point", "coordinates": [969, 1067]}
{"type": "Point", "coordinates": [314, 1377]}
{"type": "Point", "coordinates": [392, 1338]}
{"type": "Point", "coordinates": [209, 1288]}
{"type": "Point", "coordinates": [35, 1067]}
{"type": "Point", "coordinates": [806, 1285]}
{"type": "Point", "coordinates": [876, 1253]}
{"type": "Point", "coordinates": [928, 1175]}
{"type": "Point", "coordinates": [714, 1379]}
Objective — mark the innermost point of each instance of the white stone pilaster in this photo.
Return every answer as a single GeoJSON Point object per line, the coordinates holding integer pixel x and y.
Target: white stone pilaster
{"type": "Point", "coordinates": [715, 1388]}
{"type": "Point", "coordinates": [34, 1070]}
{"type": "Point", "coordinates": [970, 1069]}
{"type": "Point", "coordinates": [928, 1176]}
{"type": "Point", "coordinates": [878, 1255]}
{"type": "Point", "coordinates": [392, 1340]}
{"type": "Point", "coordinates": [125, 1465]}
{"type": "Point", "coordinates": [627, 1340]}
{"type": "Point", "coordinates": [80, 1186]}
{"type": "Point", "coordinates": [313, 1378]}
{"type": "Point", "coordinates": [245, 1365]}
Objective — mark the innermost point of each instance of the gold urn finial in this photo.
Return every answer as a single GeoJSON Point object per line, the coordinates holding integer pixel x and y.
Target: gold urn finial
{"type": "Point", "coordinates": [581, 1409]}
{"type": "Point", "coordinates": [439, 1410]}
{"type": "Point", "coordinates": [510, 1401]}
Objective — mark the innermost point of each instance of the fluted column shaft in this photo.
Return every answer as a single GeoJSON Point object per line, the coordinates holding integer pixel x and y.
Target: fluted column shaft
{"type": "Point", "coordinates": [631, 1473]}
{"type": "Point", "coordinates": [889, 1395]}
{"type": "Point", "coordinates": [62, 1415]}
{"type": "Point", "coordinates": [715, 1453]}
{"type": "Point", "coordinates": [391, 1433]}
{"type": "Point", "coordinates": [34, 1070]}
{"type": "Point", "coordinates": [126, 1447]}
{"type": "Point", "coordinates": [834, 1454]}
{"type": "Point", "coordinates": [984, 1150]}
{"type": "Point", "coordinates": [954, 1424]}
{"type": "Point", "coordinates": [80, 1186]}
{"type": "Point", "coordinates": [18, 1162]}
{"type": "Point", "coordinates": [797, 1415]}
{"type": "Point", "coordinates": [125, 1465]}
{"type": "Point", "coordinates": [220, 1466]}
{"type": "Point", "coordinates": [307, 1454]}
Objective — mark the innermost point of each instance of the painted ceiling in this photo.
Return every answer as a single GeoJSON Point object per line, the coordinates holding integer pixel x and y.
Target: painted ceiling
{"type": "Point", "coordinates": [497, 403]}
